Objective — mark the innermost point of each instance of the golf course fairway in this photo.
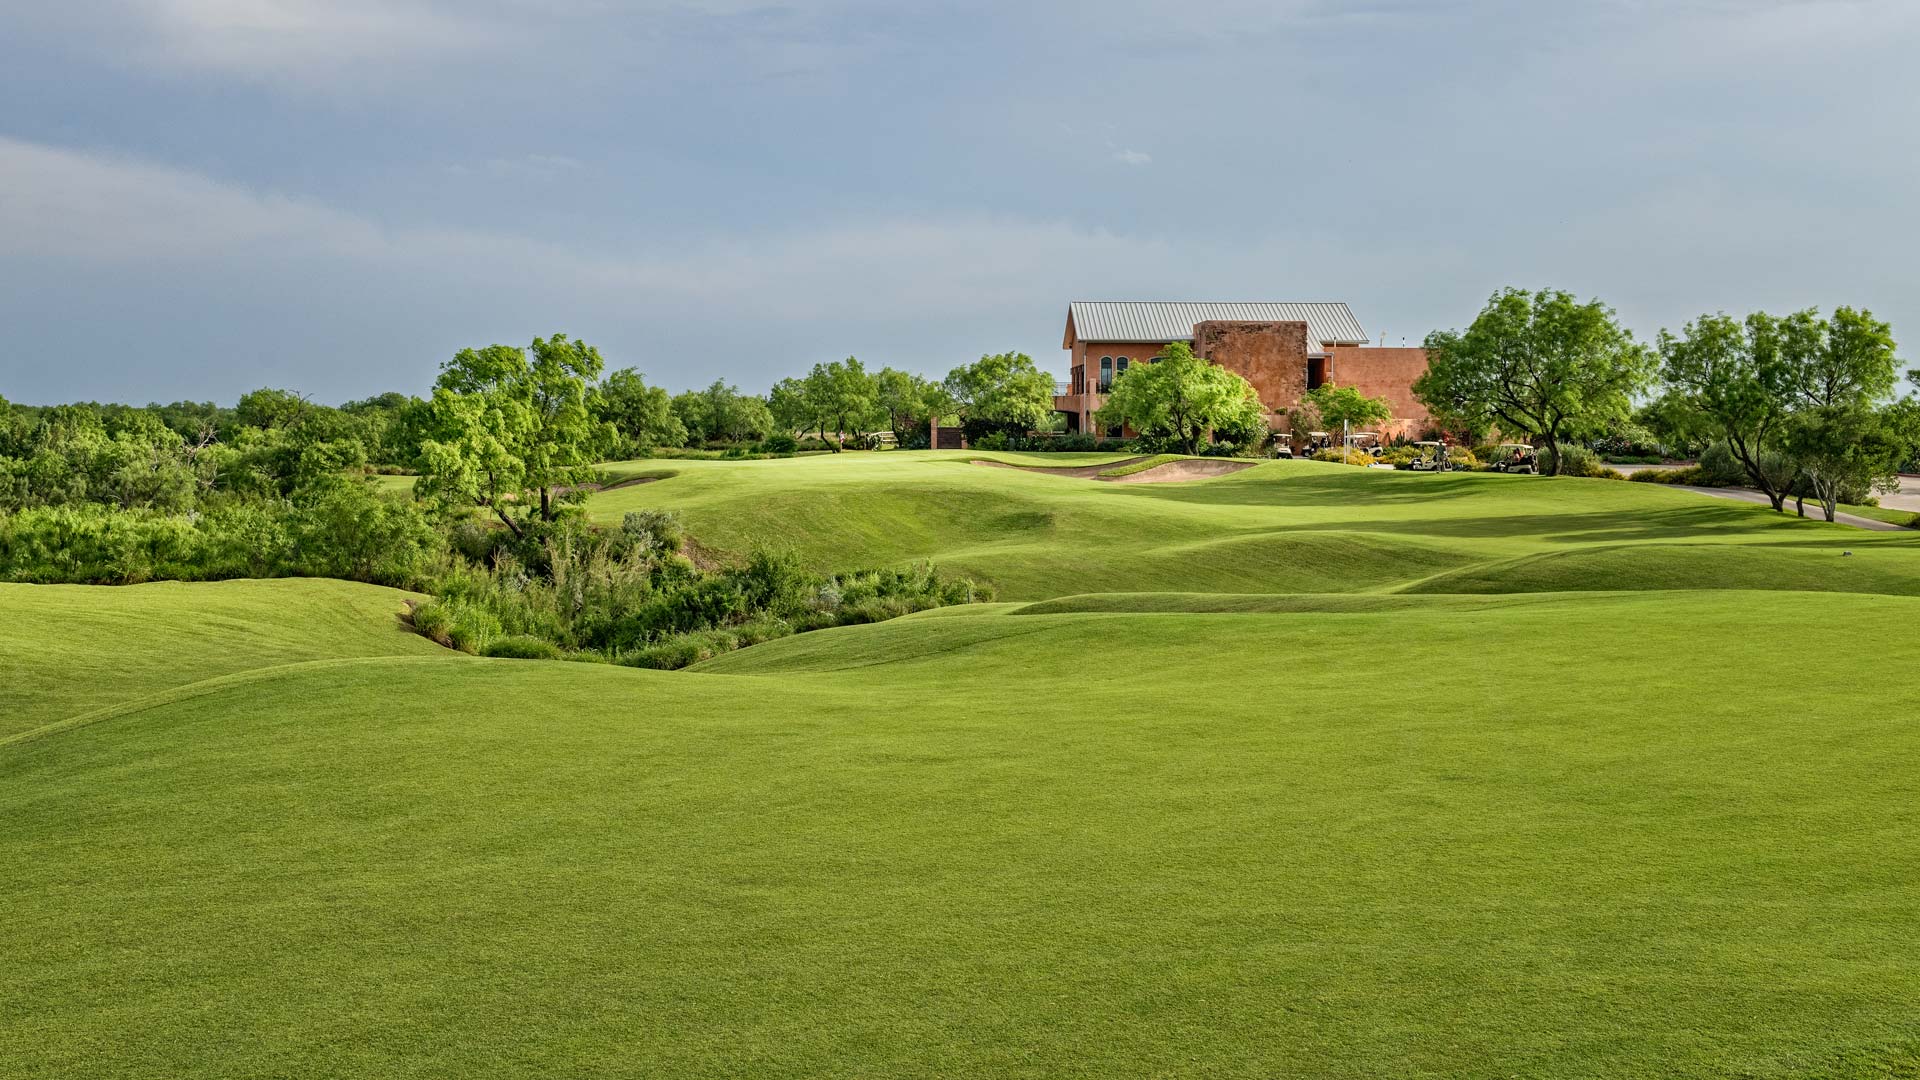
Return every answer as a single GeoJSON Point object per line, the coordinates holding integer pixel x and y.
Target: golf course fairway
{"type": "Point", "coordinates": [1306, 771]}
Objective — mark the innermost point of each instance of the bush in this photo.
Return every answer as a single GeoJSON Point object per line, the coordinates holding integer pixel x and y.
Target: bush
{"type": "Point", "coordinates": [651, 531]}
{"type": "Point", "coordinates": [522, 647]}
{"type": "Point", "coordinates": [1719, 468]}
{"type": "Point", "coordinates": [779, 443]}
{"type": "Point", "coordinates": [995, 440]}
{"type": "Point", "coordinates": [1345, 456]}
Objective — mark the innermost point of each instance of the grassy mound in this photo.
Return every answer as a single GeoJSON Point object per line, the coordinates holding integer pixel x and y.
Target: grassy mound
{"type": "Point", "coordinates": [1106, 844]}
{"type": "Point", "coordinates": [1279, 527]}
{"type": "Point", "coordinates": [1837, 565]}
{"type": "Point", "coordinates": [71, 649]}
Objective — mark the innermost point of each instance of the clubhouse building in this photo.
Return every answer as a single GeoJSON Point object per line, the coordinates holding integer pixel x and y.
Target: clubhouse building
{"type": "Point", "coordinates": [1283, 349]}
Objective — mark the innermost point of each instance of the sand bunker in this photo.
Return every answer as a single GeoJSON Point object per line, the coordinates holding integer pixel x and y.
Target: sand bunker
{"type": "Point", "coordinates": [1191, 469]}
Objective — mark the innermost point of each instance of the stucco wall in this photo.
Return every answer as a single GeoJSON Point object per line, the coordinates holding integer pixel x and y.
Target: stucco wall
{"type": "Point", "coordinates": [1270, 355]}
{"type": "Point", "coordinates": [1387, 373]}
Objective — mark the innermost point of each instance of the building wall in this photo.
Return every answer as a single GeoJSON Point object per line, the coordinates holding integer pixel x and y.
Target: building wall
{"type": "Point", "coordinates": [1270, 355]}
{"type": "Point", "coordinates": [1387, 373]}
{"type": "Point", "coordinates": [1273, 357]}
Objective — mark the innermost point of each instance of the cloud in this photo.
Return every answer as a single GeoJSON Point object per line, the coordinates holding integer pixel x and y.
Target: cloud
{"type": "Point", "coordinates": [113, 230]}
{"type": "Point", "coordinates": [1133, 157]}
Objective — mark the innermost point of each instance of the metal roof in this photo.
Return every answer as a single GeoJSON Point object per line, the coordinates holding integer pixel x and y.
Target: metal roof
{"type": "Point", "coordinates": [1155, 321]}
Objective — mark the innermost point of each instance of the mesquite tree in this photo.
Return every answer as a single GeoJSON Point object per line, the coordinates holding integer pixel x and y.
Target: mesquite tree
{"type": "Point", "coordinates": [1536, 363]}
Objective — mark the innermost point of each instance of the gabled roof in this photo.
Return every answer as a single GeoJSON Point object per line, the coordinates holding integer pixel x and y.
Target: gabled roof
{"type": "Point", "coordinates": [1156, 321]}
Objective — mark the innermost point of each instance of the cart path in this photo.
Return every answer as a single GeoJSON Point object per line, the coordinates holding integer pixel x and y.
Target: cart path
{"type": "Point", "coordinates": [1744, 495]}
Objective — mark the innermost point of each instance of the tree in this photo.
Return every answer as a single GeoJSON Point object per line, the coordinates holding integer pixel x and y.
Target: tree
{"type": "Point", "coordinates": [1183, 397]}
{"type": "Point", "coordinates": [641, 416]}
{"type": "Point", "coordinates": [721, 413]}
{"type": "Point", "coordinates": [841, 395]}
{"type": "Point", "coordinates": [1539, 363]}
{"type": "Point", "coordinates": [1776, 388]}
{"type": "Point", "coordinates": [909, 401]}
{"type": "Point", "coordinates": [1839, 448]}
{"type": "Point", "coordinates": [1345, 405]}
{"type": "Point", "coordinates": [1001, 392]}
{"type": "Point", "coordinates": [511, 433]}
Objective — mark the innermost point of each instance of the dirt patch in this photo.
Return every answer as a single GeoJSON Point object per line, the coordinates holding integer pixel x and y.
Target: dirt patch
{"type": "Point", "coordinates": [1190, 469]}
{"type": "Point", "coordinates": [1078, 472]}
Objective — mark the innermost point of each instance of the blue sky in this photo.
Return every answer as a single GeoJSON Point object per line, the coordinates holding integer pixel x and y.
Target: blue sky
{"type": "Point", "coordinates": [199, 197]}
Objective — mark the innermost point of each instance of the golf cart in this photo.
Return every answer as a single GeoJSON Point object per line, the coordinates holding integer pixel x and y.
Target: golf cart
{"type": "Point", "coordinates": [1367, 441]}
{"type": "Point", "coordinates": [1318, 440]}
{"type": "Point", "coordinates": [1516, 458]}
{"type": "Point", "coordinates": [1432, 458]}
{"type": "Point", "coordinates": [1283, 446]}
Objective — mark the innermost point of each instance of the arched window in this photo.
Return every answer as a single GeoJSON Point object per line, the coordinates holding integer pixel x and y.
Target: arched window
{"type": "Point", "coordinates": [1119, 367]}
{"type": "Point", "coordinates": [1106, 374]}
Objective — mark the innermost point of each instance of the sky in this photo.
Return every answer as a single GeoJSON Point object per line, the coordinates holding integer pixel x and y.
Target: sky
{"type": "Point", "coordinates": [203, 197]}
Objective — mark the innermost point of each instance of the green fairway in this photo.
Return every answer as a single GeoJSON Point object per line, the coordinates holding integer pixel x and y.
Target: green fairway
{"type": "Point", "coordinates": [1282, 526]}
{"type": "Point", "coordinates": [66, 650]}
{"type": "Point", "coordinates": [1310, 771]}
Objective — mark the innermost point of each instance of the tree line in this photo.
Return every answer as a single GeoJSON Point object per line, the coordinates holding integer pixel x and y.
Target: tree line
{"type": "Point", "coordinates": [1805, 404]}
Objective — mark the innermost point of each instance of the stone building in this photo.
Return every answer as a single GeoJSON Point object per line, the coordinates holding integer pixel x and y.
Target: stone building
{"type": "Point", "coordinates": [1284, 350]}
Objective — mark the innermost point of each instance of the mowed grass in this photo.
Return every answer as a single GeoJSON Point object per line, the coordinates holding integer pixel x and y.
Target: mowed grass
{"type": "Point", "coordinates": [1309, 771]}
{"type": "Point", "coordinates": [1507, 836]}
{"type": "Point", "coordinates": [67, 650]}
{"type": "Point", "coordinates": [1280, 527]}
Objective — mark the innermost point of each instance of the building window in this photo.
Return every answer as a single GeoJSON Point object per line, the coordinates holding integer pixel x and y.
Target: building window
{"type": "Point", "coordinates": [1316, 372]}
{"type": "Point", "coordinates": [1106, 374]}
{"type": "Point", "coordinates": [1120, 367]}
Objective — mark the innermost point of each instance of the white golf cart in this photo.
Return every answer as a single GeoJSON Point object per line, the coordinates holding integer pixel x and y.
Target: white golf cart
{"type": "Point", "coordinates": [1283, 446]}
{"type": "Point", "coordinates": [1432, 458]}
{"type": "Point", "coordinates": [1318, 440]}
{"type": "Point", "coordinates": [1517, 457]}
{"type": "Point", "coordinates": [1367, 441]}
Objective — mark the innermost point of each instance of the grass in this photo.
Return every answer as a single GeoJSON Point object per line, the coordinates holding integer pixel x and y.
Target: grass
{"type": "Point", "coordinates": [66, 650]}
{"type": "Point", "coordinates": [1279, 527]}
{"type": "Point", "coordinates": [1268, 800]}
{"type": "Point", "coordinates": [1906, 519]}
{"type": "Point", "coordinates": [1142, 465]}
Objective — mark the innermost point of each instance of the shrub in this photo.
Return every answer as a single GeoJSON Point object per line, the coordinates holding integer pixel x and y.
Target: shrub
{"type": "Point", "coordinates": [1719, 468]}
{"type": "Point", "coordinates": [779, 443]}
{"type": "Point", "coordinates": [652, 531]}
{"type": "Point", "coordinates": [522, 647]}
{"type": "Point", "coordinates": [1344, 456]}
{"type": "Point", "coordinates": [995, 440]}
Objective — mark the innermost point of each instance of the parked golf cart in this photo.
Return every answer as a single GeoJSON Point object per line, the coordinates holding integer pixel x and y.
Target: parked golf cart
{"type": "Point", "coordinates": [1283, 446]}
{"type": "Point", "coordinates": [1432, 458]}
{"type": "Point", "coordinates": [1318, 440]}
{"type": "Point", "coordinates": [1368, 441]}
{"type": "Point", "coordinates": [1517, 458]}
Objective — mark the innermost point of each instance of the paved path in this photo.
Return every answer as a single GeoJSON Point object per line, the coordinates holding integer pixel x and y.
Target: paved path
{"type": "Point", "coordinates": [1744, 495]}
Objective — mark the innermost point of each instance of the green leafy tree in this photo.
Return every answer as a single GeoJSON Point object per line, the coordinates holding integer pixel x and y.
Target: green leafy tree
{"type": "Point", "coordinates": [1184, 397]}
{"type": "Point", "coordinates": [514, 431]}
{"type": "Point", "coordinates": [1346, 405]}
{"type": "Point", "coordinates": [909, 401]}
{"type": "Point", "coordinates": [641, 417]}
{"type": "Point", "coordinates": [1000, 392]}
{"type": "Point", "coordinates": [721, 413]}
{"type": "Point", "coordinates": [1844, 448]}
{"type": "Point", "coordinates": [1773, 387]}
{"type": "Point", "coordinates": [843, 396]}
{"type": "Point", "coordinates": [269, 408]}
{"type": "Point", "coordinates": [1540, 363]}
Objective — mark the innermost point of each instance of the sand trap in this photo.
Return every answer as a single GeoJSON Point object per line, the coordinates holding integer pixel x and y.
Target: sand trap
{"type": "Point", "coordinates": [1081, 472]}
{"type": "Point", "coordinates": [1190, 469]}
